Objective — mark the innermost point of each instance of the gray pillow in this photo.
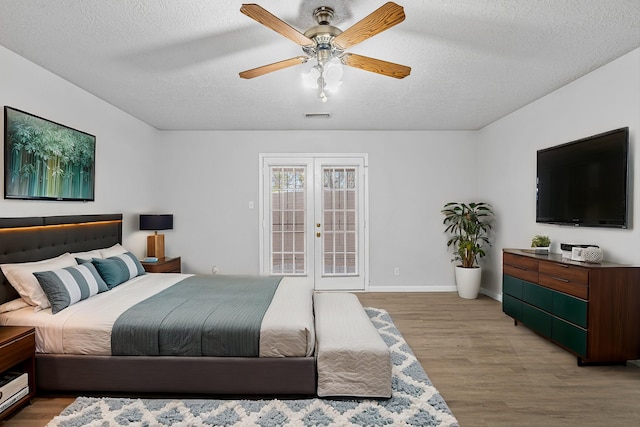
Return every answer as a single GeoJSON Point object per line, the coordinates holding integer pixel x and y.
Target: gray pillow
{"type": "Point", "coordinates": [67, 286]}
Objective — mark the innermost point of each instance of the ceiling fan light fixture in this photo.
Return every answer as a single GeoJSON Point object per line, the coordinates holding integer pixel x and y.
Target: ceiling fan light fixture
{"type": "Point", "coordinates": [310, 78]}
{"type": "Point", "coordinates": [333, 75]}
{"type": "Point", "coordinates": [328, 44]}
{"type": "Point", "coordinates": [325, 79]}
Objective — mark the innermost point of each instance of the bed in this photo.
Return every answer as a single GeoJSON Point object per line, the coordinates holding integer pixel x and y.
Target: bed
{"type": "Point", "coordinates": [72, 357]}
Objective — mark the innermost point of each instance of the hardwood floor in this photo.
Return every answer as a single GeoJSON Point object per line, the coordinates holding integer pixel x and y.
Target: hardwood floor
{"type": "Point", "coordinates": [490, 372]}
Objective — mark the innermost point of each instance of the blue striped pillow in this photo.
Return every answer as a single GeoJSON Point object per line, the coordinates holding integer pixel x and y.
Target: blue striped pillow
{"type": "Point", "coordinates": [69, 285]}
{"type": "Point", "coordinates": [118, 269]}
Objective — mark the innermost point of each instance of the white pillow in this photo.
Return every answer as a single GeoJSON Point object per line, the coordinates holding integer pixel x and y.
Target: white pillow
{"type": "Point", "coordinates": [13, 305]}
{"type": "Point", "coordinates": [22, 279]}
{"type": "Point", "coordinates": [114, 250]}
{"type": "Point", "coordinates": [87, 256]}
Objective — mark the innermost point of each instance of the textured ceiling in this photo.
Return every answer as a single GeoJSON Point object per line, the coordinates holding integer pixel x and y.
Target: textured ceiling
{"type": "Point", "coordinates": [174, 64]}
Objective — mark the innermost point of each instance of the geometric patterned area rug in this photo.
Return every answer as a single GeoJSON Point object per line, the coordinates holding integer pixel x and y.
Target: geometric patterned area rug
{"type": "Point", "coordinates": [414, 402]}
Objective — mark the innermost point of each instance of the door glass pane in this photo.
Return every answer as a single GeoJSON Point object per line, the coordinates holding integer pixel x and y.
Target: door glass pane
{"type": "Point", "coordinates": [340, 210]}
{"type": "Point", "coordinates": [288, 233]}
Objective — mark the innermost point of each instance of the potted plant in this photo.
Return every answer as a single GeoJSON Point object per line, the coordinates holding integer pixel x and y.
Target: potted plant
{"type": "Point", "coordinates": [468, 226]}
{"type": "Point", "coordinates": [540, 244]}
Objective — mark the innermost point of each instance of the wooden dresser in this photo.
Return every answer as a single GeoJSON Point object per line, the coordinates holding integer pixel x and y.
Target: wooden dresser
{"type": "Point", "coordinates": [591, 310]}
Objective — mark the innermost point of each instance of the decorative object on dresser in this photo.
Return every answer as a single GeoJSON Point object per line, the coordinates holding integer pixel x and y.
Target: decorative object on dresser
{"type": "Point", "coordinates": [591, 310]}
{"type": "Point", "coordinates": [586, 253]}
{"type": "Point", "coordinates": [156, 222]}
{"type": "Point", "coordinates": [567, 249]}
{"type": "Point", "coordinates": [17, 367]}
{"type": "Point", "coordinates": [592, 254]}
{"type": "Point", "coordinates": [163, 265]}
{"type": "Point", "coordinates": [468, 226]}
{"type": "Point", "coordinates": [540, 244]}
{"type": "Point", "coordinates": [45, 160]}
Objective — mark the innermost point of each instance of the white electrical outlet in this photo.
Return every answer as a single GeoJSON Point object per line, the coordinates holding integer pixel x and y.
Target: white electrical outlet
{"type": "Point", "coordinates": [396, 271]}
{"type": "Point", "coordinates": [251, 205]}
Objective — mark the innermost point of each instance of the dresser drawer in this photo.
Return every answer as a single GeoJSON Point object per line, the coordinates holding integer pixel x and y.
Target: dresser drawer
{"type": "Point", "coordinates": [512, 286]}
{"type": "Point", "coordinates": [564, 285]}
{"type": "Point", "coordinates": [512, 307]}
{"type": "Point", "coordinates": [520, 261]}
{"type": "Point", "coordinates": [570, 308]}
{"type": "Point", "coordinates": [521, 267]}
{"type": "Point", "coordinates": [537, 295]}
{"type": "Point", "coordinates": [536, 319]}
{"type": "Point", "coordinates": [570, 336]}
{"type": "Point", "coordinates": [17, 350]}
{"type": "Point", "coordinates": [569, 273]}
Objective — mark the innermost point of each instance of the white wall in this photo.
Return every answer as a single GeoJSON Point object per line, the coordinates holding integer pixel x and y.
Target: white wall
{"type": "Point", "coordinates": [124, 146]}
{"type": "Point", "coordinates": [214, 175]}
{"type": "Point", "coordinates": [207, 178]}
{"type": "Point", "coordinates": [606, 99]}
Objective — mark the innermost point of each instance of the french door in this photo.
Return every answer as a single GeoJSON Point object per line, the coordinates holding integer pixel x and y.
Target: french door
{"type": "Point", "coordinates": [313, 226]}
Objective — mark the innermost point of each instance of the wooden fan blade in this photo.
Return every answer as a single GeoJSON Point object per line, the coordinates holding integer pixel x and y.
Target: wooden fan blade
{"type": "Point", "coordinates": [376, 65]}
{"type": "Point", "coordinates": [267, 19]}
{"type": "Point", "coordinates": [265, 69]}
{"type": "Point", "coordinates": [381, 19]}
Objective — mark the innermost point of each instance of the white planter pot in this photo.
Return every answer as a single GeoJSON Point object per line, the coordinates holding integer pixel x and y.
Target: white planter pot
{"type": "Point", "coordinates": [468, 282]}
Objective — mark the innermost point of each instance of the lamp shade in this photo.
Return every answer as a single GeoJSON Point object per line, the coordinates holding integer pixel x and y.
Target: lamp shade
{"type": "Point", "coordinates": [156, 222]}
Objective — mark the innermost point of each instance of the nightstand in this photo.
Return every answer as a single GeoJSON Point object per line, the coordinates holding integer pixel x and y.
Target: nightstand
{"type": "Point", "coordinates": [18, 354]}
{"type": "Point", "coordinates": [163, 265]}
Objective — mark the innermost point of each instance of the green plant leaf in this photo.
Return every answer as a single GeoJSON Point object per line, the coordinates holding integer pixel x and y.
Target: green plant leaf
{"type": "Point", "coordinates": [468, 226]}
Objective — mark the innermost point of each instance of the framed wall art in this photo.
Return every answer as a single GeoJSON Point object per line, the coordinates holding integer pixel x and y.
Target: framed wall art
{"type": "Point", "coordinates": [44, 160]}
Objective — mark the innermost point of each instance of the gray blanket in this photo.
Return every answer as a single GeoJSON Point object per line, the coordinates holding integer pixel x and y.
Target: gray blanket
{"type": "Point", "coordinates": [198, 316]}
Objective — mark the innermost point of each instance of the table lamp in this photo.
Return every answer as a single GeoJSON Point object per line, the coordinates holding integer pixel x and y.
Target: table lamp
{"type": "Point", "coordinates": [156, 222]}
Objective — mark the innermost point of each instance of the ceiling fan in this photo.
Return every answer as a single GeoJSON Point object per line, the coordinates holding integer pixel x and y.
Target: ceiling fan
{"type": "Point", "coordinates": [328, 44]}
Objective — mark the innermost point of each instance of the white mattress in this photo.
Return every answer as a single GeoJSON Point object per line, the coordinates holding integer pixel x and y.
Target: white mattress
{"type": "Point", "coordinates": [85, 328]}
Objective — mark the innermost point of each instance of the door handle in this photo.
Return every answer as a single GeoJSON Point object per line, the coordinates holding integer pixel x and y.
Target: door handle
{"type": "Point", "coordinates": [318, 234]}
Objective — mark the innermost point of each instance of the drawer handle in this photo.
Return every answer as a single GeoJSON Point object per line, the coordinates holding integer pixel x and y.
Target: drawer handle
{"type": "Point", "coordinates": [520, 268]}
{"type": "Point", "coordinates": [560, 279]}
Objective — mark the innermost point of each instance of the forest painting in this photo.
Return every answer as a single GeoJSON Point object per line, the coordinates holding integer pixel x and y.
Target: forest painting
{"type": "Point", "coordinates": [46, 160]}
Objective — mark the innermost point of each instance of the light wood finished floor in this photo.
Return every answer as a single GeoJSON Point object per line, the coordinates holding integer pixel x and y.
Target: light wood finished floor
{"type": "Point", "coordinates": [490, 372]}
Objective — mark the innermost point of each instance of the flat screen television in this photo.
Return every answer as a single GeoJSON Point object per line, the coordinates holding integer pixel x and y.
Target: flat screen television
{"type": "Point", "coordinates": [584, 182]}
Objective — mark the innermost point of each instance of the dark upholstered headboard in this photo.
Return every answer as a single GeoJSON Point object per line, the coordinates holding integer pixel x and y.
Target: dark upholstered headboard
{"type": "Point", "coordinates": [37, 238]}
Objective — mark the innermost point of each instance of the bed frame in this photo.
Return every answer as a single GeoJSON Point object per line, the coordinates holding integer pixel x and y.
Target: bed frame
{"type": "Point", "coordinates": [37, 238]}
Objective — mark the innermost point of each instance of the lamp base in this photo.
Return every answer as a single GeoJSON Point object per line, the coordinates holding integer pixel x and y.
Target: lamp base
{"type": "Point", "coordinates": [155, 245]}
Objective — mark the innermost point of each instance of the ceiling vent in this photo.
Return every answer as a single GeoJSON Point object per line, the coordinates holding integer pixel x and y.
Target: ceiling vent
{"type": "Point", "coordinates": [317, 115]}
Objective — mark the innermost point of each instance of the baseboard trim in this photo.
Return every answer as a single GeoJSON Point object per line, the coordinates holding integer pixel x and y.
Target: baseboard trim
{"type": "Point", "coordinates": [417, 288]}
{"type": "Point", "coordinates": [493, 295]}
{"type": "Point", "coordinates": [426, 288]}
